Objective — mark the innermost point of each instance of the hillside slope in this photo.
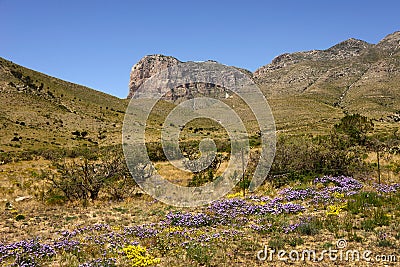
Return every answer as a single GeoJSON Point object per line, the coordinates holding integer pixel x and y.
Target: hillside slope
{"type": "Point", "coordinates": [41, 111]}
{"type": "Point", "coordinates": [353, 75]}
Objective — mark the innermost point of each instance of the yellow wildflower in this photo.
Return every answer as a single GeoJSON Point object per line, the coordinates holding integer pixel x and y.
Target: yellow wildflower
{"type": "Point", "coordinates": [334, 209]}
{"type": "Point", "coordinates": [139, 257]}
{"type": "Point", "coordinates": [235, 195]}
{"type": "Point", "coordinates": [338, 195]}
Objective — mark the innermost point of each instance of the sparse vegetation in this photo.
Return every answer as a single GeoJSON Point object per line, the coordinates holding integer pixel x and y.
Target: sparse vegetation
{"type": "Point", "coordinates": [68, 198]}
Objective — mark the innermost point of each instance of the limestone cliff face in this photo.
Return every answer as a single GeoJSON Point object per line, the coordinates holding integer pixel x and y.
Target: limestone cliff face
{"type": "Point", "coordinates": [146, 67]}
{"type": "Point", "coordinates": [152, 64]}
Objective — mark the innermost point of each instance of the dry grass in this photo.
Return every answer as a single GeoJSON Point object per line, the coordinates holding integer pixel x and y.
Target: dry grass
{"type": "Point", "coordinates": [46, 221]}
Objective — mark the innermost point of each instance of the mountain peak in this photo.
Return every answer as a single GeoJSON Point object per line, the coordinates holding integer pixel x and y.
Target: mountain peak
{"type": "Point", "coordinates": [391, 41]}
{"type": "Point", "coordinates": [146, 67]}
{"type": "Point", "coordinates": [344, 50]}
{"type": "Point", "coordinates": [348, 48]}
{"type": "Point", "coordinates": [350, 44]}
{"type": "Point", "coordinates": [149, 65]}
{"type": "Point", "coordinates": [392, 36]}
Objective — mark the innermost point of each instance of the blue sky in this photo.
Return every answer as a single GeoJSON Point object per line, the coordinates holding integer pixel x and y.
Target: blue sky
{"type": "Point", "coordinates": [95, 43]}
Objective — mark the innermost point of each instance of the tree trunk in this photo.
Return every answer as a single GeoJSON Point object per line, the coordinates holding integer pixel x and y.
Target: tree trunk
{"type": "Point", "coordinates": [379, 166]}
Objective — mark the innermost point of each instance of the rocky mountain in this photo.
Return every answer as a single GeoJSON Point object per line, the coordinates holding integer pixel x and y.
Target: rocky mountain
{"type": "Point", "coordinates": [152, 64]}
{"type": "Point", "coordinates": [147, 67]}
{"type": "Point", "coordinates": [390, 43]}
{"type": "Point", "coordinates": [344, 50]}
{"type": "Point", "coordinates": [352, 76]}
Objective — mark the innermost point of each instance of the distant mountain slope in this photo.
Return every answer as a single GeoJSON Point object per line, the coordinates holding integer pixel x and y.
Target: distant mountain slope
{"type": "Point", "coordinates": [41, 111]}
{"type": "Point", "coordinates": [354, 75]}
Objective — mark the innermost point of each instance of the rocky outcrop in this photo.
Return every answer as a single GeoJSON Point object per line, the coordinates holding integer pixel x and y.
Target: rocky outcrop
{"type": "Point", "coordinates": [152, 64]}
{"type": "Point", "coordinates": [146, 67]}
{"type": "Point", "coordinates": [347, 49]}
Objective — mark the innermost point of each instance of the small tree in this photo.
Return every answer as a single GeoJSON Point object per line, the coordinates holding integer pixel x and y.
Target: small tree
{"type": "Point", "coordinates": [353, 129]}
{"type": "Point", "coordinates": [203, 175]}
{"type": "Point", "coordinates": [83, 179]}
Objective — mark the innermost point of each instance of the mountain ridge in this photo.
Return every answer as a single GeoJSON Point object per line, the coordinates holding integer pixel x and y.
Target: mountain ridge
{"type": "Point", "coordinates": [308, 92]}
{"type": "Point", "coordinates": [343, 64]}
{"type": "Point", "coordinates": [353, 74]}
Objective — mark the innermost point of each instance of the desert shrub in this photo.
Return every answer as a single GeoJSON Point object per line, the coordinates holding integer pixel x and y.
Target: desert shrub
{"type": "Point", "coordinates": [200, 253]}
{"type": "Point", "coordinates": [84, 179]}
{"type": "Point", "coordinates": [276, 242]}
{"type": "Point", "coordinates": [155, 151]}
{"type": "Point", "coordinates": [15, 139]}
{"type": "Point", "coordinates": [352, 130]}
{"type": "Point", "coordinates": [378, 218]}
{"type": "Point", "coordinates": [302, 158]}
{"type": "Point", "coordinates": [17, 74]}
{"type": "Point", "coordinates": [84, 134]}
{"type": "Point", "coordinates": [203, 175]}
{"type": "Point", "coordinates": [20, 217]}
{"type": "Point", "coordinates": [384, 243]}
{"type": "Point", "coordinates": [6, 157]}
{"type": "Point", "coordinates": [295, 241]}
{"type": "Point", "coordinates": [201, 178]}
{"type": "Point", "coordinates": [54, 154]}
{"type": "Point", "coordinates": [311, 227]}
{"type": "Point", "coordinates": [341, 152]}
{"type": "Point", "coordinates": [79, 134]}
{"type": "Point", "coordinates": [121, 187]}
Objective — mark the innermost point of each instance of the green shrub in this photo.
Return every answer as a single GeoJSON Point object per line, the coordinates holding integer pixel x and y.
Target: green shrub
{"type": "Point", "coordinates": [204, 175]}
{"type": "Point", "coordinates": [364, 200]}
{"type": "Point", "coordinates": [20, 217]}
{"type": "Point", "coordinates": [384, 243]}
{"type": "Point", "coordinates": [200, 253]}
{"type": "Point", "coordinates": [368, 225]}
{"type": "Point", "coordinates": [310, 228]}
{"type": "Point", "coordinates": [276, 243]}
{"type": "Point", "coordinates": [379, 218]}
{"type": "Point", "coordinates": [295, 241]}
